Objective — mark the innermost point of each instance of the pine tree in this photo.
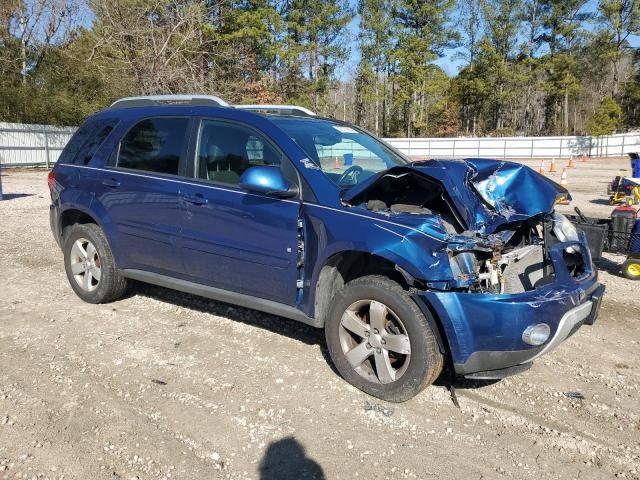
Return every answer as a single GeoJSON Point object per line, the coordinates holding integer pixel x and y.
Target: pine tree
{"type": "Point", "coordinates": [619, 19]}
{"type": "Point", "coordinates": [375, 37]}
{"type": "Point", "coordinates": [563, 22]}
{"type": "Point", "coordinates": [317, 29]}
{"type": "Point", "coordinates": [422, 34]}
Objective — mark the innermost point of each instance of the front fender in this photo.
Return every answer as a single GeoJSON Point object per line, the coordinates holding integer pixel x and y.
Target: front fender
{"type": "Point", "coordinates": [329, 232]}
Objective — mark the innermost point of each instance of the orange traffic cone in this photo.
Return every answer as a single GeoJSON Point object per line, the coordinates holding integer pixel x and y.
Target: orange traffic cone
{"type": "Point", "coordinates": [541, 169]}
{"type": "Point", "coordinates": [571, 164]}
{"type": "Point", "coordinates": [337, 164]}
{"type": "Point", "coordinates": [552, 167]}
{"type": "Point", "coordinates": [565, 184]}
{"type": "Point", "coordinates": [563, 179]}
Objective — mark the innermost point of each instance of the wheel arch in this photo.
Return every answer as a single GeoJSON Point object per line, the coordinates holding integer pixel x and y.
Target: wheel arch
{"type": "Point", "coordinates": [79, 214]}
{"type": "Point", "coordinates": [73, 215]}
{"type": "Point", "coordinates": [346, 265]}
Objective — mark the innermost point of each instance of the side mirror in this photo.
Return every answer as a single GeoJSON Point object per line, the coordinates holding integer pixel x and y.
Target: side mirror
{"type": "Point", "coordinates": [267, 180]}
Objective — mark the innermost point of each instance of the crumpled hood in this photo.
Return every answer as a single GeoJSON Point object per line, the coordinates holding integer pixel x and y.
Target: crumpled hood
{"type": "Point", "coordinates": [487, 193]}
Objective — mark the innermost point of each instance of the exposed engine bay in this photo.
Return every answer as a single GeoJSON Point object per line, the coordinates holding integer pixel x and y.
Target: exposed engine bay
{"type": "Point", "coordinates": [411, 193]}
{"type": "Point", "coordinates": [511, 259]}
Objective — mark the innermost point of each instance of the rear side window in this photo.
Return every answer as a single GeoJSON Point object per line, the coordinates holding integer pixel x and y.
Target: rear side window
{"type": "Point", "coordinates": [154, 145]}
{"type": "Point", "coordinates": [87, 140]}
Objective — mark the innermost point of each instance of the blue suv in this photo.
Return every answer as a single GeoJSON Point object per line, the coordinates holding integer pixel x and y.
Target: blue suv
{"type": "Point", "coordinates": [410, 267]}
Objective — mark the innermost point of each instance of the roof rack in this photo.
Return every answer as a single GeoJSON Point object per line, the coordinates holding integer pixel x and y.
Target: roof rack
{"type": "Point", "coordinates": [278, 109]}
{"type": "Point", "coordinates": [146, 101]}
{"type": "Point", "coordinates": [208, 101]}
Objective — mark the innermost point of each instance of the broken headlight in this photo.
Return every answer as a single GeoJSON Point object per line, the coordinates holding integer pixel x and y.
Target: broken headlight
{"type": "Point", "coordinates": [564, 230]}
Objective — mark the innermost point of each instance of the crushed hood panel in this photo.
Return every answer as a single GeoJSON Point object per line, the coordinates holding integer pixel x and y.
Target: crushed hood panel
{"type": "Point", "coordinates": [487, 193]}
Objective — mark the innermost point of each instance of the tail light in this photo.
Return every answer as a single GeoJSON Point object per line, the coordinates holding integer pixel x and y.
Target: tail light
{"type": "Point", "coordinates": [51, 180]}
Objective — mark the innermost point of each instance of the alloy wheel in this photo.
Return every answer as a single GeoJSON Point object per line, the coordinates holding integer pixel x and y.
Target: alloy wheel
{"type": "Point", "coordinates": [374, 341]}
{"type": "Point", "coordinates": [85, 264]}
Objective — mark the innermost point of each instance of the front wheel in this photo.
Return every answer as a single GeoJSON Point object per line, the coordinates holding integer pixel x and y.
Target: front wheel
{"type": "Point", "coordinates": [380, 341]}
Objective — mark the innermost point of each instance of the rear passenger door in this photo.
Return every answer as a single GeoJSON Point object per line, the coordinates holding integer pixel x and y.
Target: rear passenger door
{"type": "Point", "coordinates": [139, 191]}
{"type": "Point", "coordinates": [232, 239]}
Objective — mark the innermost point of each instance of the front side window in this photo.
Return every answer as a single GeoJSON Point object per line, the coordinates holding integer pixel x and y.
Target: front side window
{"type": "Point", "coordinates": [226, 150]}
{"type": "Point", "coordinates": [154, 145]}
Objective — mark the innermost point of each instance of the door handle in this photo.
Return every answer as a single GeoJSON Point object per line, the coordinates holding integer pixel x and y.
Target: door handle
{"type": "Point", "coordinates": [196, 199]}
{"type": "Point", "coordinates": [111, 182]}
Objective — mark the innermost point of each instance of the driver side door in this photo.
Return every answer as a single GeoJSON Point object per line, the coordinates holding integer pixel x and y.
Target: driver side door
{"type": "Point", "coordinates": [232, 239]}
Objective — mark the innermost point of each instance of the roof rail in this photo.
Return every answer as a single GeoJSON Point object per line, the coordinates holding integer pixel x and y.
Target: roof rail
{"type": "Point", "coordinates": [146, 101]}
{"type": "Point", "coordinates": [279, 109]}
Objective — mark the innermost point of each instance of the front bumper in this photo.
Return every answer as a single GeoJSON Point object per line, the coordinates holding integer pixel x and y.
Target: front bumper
{"type": "Point", "coordinates": [488, 362]}
{"type": "Point", "coordinates": [484, 331]}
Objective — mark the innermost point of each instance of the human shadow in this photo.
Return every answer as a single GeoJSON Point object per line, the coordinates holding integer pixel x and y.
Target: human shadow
{"type": "Point", "coordinates": [600, 201]}
{"type": "Point", "coordinates": [286, 459]}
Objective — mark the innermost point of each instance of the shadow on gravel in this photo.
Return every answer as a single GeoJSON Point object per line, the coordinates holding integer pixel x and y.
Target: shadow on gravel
{"type": "Point", "coordinates": [448, 380]}
{"type": "Point", "coordinates": [600, 201]}
{"type": "Point", "coordinates": [281, 326]}
{"type": "Point", "coordinates": [609, 266]}
{"type": "Point", "coordinates": [286, 459]}
{"type": "Point", "coordinates": [11, 196]}
{"type": "Point", "coordinates": [278, 325]}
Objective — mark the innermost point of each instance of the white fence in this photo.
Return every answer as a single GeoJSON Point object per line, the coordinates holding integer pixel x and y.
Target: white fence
{"type": "Point", "coordinates": [519, 147]}
{"type": "Point", "coordinates": [40, 145]}
{"type": "Point", "coordinates": [32, 145]}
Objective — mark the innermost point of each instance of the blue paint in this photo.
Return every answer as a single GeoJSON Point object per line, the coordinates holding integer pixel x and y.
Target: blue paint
{"type": "Point", "coordinates": [635, 167]}
{"type": "Point", "coordinates": [266, 179]}
{"type": "Point", "coordinates": [509, 191]}
{"type": "Point", "coordinates": [245, 237]}
{"type": "Point", "coordinates": [498, 320]}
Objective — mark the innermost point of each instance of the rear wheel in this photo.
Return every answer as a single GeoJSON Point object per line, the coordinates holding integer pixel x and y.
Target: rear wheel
{"type": "Point", "coordinates": [631, 269]}
{"type": "Point", "coordinates": [90, 266]}
{"type": "Point", "coordinates": [380, 341]}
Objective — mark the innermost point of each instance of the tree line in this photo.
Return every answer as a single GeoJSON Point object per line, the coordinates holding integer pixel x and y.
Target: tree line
{"type": "Point", "coordinates": [526, 67]}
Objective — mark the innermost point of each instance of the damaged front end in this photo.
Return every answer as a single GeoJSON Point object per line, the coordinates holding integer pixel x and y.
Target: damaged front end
{"type": "Point", "coordinates": [499, 262]}
{"type": "Point", "coordinates": [494, 219]}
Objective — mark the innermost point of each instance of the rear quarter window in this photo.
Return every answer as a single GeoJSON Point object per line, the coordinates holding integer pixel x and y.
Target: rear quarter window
{"type": "Point", "coordinates": [87, 140]}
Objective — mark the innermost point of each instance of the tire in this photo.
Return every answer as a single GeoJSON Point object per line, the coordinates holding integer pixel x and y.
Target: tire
{"type": "Point", "coordinates": [409, 369]}
{"type": "Point", "coordinates": [631, 269]}
{"type": "Point", "coordinates": [91, 269]}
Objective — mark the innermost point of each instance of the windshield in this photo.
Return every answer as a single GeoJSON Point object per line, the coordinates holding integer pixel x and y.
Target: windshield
{"type": "Point", "coordinates": [346, 155]}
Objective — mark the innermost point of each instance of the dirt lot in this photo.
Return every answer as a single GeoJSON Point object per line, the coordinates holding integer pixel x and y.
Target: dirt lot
{"type": "Point", "coordinates": [166, 385]}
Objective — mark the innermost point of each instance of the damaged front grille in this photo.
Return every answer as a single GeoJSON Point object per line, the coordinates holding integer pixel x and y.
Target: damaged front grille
{"type": "Point", "coordinates": [521, 264]}
{"type": "Point", "coordinates": [517, 271]}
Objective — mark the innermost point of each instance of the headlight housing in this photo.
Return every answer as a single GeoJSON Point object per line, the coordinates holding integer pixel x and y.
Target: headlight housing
{"type": "Point", "coordinates": [564, 230]}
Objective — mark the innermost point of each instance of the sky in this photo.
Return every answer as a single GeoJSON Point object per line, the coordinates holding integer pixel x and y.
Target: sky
{"type": "Point", "coordinates": [452, 61]}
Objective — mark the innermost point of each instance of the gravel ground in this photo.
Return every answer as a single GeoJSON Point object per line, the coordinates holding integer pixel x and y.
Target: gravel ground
{"type": "Point", "coordinates": [166, 385]}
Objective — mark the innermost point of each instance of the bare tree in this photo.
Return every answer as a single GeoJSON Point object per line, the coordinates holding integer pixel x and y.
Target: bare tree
{"type": "Point", "coordinates": [40, 24]}
{"type": "Point", "coordinates": [167, 45]}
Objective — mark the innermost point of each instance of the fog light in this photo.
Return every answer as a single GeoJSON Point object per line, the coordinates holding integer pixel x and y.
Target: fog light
{"type": "Point", "coordinates": [536, 334]}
